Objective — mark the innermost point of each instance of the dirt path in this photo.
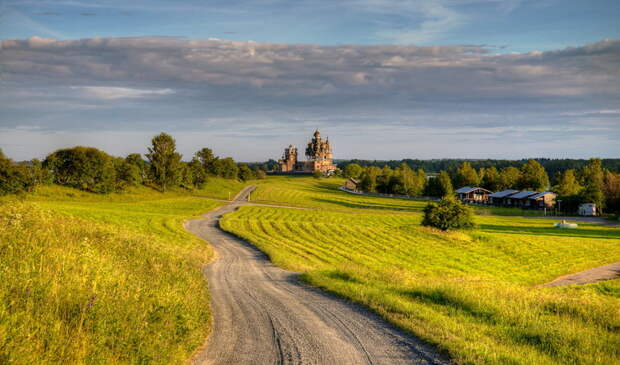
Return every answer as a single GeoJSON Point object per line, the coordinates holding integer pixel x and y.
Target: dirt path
{"type": "Point", "coordinates": [601, 273]}
{"type": "Point", "coordinates": [264, 315]}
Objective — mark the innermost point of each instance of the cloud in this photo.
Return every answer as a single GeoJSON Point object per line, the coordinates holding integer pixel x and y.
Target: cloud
{"type": "Point", "coordinates": [462, 99]}
{"type": "Point", "coordinates": [112, 93]}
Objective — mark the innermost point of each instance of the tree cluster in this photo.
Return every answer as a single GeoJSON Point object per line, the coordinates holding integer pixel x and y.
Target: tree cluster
{"type": "Point", "coordinates": [93, 170]}
{"type": "Point", "coordinates": [447, 214]}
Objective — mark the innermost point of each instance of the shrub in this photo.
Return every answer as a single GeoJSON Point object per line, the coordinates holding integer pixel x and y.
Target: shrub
{"type": "Point", "coordinates": [448, 214]}
{"type": "Point", "coordinates": [83, 168]}
{"type": "Point", "coordinates": [317, 174]}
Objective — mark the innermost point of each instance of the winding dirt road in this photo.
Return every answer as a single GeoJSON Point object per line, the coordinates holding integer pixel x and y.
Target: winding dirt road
{"type": "Point", "coordinates": [264, 315]}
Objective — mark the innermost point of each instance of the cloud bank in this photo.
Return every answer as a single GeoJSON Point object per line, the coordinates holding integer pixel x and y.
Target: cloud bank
{"type": "Point", "coordinates": [545, 100]}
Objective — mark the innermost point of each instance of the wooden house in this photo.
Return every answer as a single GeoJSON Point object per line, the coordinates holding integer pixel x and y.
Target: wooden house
{"type": "Point", "coordinates": [500, 198]}
{"type": "Point", "coordinates": [546, 199]}
{"type": "Point", "coordinates": [520, 199]}
{"type": "Point", "coordinates": [469, 194]}
{"type": "Point", "coordinates": [352, 185]}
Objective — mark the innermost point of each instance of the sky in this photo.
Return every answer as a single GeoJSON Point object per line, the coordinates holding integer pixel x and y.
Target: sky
{"type": "Point", "coordinates": [384, 79]}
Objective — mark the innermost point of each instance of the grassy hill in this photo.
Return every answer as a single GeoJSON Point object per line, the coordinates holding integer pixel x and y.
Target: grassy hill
{"type": "Point", "coordinates": [471, 293]}
{"type": "Point", "coordinates": [90, 278]}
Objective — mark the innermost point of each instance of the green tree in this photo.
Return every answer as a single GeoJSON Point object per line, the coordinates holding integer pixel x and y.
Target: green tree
{"type": "Point", "coordinates": [260, 173]}
{"type": "Point", "coordinates": [353, 170]}
{"type": "Point", "coordinates": [14, 178]}
{"type": "Point", "coordinates": [207, 159]}
{"type": "Point", "coordinates": [317, 174]}
{"type": "Point", "coordinates": [611, 189]}
{"type": "Point", "coordinates": [466, 176]}
{"type": "Point", "coordinates": [368, 181]}
{"type": "Point", "coordinates": [84, 168]}
{"type": "Point", "coordinates": [245, 173]}
{"type": "Point", "coordinates": [491, 179]}
{"type": "Point", "coordinates": [592, 177]}
{"type": "Point", "coordinates": [440, 186]}
{"type": "Point", "coordinates": [567, 184]}
{"type": "Point", "coordinates": [534, 176]}
{"type": "Point", "coordinates": [449, 213]}
{"type": "Point", "coordinates": [227, 168]}
{"type": "Point", "coordinates": [136, 160]}
{"type": "Point", "coordinates": [509, 178]}
{"type": "Point", "coordinates": [198, 173]}
{"type": "Point", "coordinates": [384, 179]}
{"type": "Point", "coordinates": [165, 162]}
{"type": "Point", "coordinates": [127, 174]}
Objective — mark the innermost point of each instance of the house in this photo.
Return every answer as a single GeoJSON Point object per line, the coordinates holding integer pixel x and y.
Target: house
{"type": "Point", "coordinates": [351, 185]}
{"type": "Point", "coordinates": [588, 209]}
{"type": "Point", "coordinates": [520, 199]}
{"type": "Point", "coordinates": [546, 199]}
{"type": "Point", "coordinates": [499, 198]}
{"type": "Point", "coordinates": [469, 194]}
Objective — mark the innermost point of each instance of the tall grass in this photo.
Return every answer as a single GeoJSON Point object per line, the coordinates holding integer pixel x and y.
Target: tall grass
{"type": "Point", "coordinates": [106, 279]}
{"type": "Point", "coordinates": [470, 293]}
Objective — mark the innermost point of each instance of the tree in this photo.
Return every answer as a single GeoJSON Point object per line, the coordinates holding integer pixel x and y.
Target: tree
{"type": "Point", "coordinates": [384, 180]}
{"type": "Point", "coordinates": [534, 176]}
{"type": "Point", "coordinates": [509, 178]}
{"type": "Point", "coordinates": [491, 179]}
{"type": "Point", "coordinates": [136, 160]}
{"type": "Point", "coordinates": [165, 162]}
{"type": "Point", "coordinates": [592, 177]}
{"type": "Point", "coordinates": [260, 173]}
{"type": "Point", "coordinates": [245, 173]}
{"type": "Point", "coordinates": [611, 189]}
{"type": "Point", "coordinates": [466, 176]}
{"type": "Point", "coordinates": [127, 174]}
{"type": "Point", "coordinates": [449, 213]}
{"type": "Point", "coordinates": [85, 168]}
{"type": "Point", "coordinates": [567, 184]}
{"type": "Point", "coordinates": [207, 159]}
{"type": "Point", "coordinates": [368, 181]}
{"type": "Point", "coordinates": [353, 170]}
{"type": "Point", "coordinates": [228, 168]}
{"type": "Point", "coordinates": [199, 175]}
{"type": "Point", "coordinates": [440, 186]}
{"type": "Point", "coordinates": [14, 178]}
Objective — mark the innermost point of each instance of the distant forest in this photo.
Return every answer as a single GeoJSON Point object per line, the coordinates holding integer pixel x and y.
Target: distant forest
{"type": "Point", "coordinates": [552, 166]}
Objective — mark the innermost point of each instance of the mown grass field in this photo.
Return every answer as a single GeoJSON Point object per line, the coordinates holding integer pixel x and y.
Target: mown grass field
{"type": "Point", "coordinates": [324, 193]}
{"type": "Point", "coordinates": [471, 293]}
{"type": "Point", "coordinates": [106, 279]}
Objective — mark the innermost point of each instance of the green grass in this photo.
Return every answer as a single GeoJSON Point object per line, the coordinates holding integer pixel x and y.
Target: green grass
{"type": "Point", "coordinates": [324, 193]}
{"type": "Point", "coordinates": [470, 293]}
{"type": "Point", "coordinates": [107, 279]}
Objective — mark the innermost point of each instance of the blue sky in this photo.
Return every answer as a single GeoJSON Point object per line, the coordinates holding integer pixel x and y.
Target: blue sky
{"type": "Point", "coordinates": [384, 78]}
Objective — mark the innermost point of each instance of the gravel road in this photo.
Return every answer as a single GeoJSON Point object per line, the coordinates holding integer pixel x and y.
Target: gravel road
{"type": "Point", "coordinates": [264, 315]}
{"type": "Point", "coordinates": [601, 273]}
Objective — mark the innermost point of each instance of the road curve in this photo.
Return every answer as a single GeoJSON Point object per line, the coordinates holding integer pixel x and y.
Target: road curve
{"type": "Point", "coordinates": [264, 315]}
{"type": "Point", "coordinates": [601, 273]}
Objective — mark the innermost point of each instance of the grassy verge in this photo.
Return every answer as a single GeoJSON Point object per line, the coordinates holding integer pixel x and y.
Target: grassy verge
{"type": "Point", "coordinates": [108, 279]}
{"type": "Point", "coordinates": [469, 293]}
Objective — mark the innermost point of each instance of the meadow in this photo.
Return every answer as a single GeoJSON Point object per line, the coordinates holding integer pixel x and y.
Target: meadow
{"type": "Point", "coordinates": [89, 278]}
{"type": "Point", "coordinates": [473, 294]}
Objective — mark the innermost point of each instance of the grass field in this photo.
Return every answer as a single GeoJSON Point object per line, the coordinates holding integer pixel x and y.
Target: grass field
{"type": "Point", "coordinates": [324, 193]}
{"type": "Point", "coordinates": [470, 293]}
{"type": "Point", "coordinates": [107, 279]}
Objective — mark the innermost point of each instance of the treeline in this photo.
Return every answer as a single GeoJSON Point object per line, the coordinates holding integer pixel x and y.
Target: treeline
{"type": "Point", "coordinates": [93, 170]}
{"type": "Point", "coordinates": [592, 183]}
{"type": "Point", "coordinates": [552, 166]}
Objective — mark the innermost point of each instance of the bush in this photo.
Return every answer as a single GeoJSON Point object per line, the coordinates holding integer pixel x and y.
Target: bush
{"type": "Point", "coordinates": [317, 174]}
{"type": "Point", "coordinates": [84, 168]}
{"type": "Point", "coordinates": [448, 214]}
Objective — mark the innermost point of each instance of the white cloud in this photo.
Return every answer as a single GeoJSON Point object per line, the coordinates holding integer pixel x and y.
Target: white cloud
{"type": "Point", "coordinates": [112, 93]}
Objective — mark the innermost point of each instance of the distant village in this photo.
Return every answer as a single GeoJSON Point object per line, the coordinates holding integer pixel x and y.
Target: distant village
{"type": "Point", "coordinates": [319, 154]}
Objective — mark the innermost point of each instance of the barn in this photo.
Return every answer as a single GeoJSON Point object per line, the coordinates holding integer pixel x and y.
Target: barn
{"type": "Point", "coordinates": [469, 194]}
